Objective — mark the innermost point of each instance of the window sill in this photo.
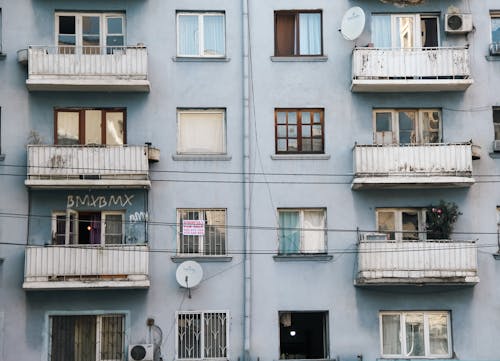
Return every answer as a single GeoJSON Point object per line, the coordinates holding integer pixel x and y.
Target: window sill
{"type": "Point", "coordinates": [302, 257]}
{"type": "Point", "coordinates": [492, 58]}
{"type": "Point", "coordinates": [2, 157]}
{"type": "Point", "coordinates": [187, 59]}
{"type": "Point", "coordinates": [300, 156]}
{"type": "Point", "coordinates": [496, 256]}
{"type": "Point", "coordinates": [311, 58]}
{"type": "Point", "coordinates": [191, 257]}
{"type": "Point", "coordinates": [2, 56]}
{"type": "Point", "coordinates": [202, 157]}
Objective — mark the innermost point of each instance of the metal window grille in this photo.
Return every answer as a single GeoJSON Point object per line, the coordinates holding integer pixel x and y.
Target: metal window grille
{"type": "Point", "coordinates": [202, 335]}
{"type": "Point", "coordinates": [87, 338]}
{"type": "Point", "coordinates": [213, 242]}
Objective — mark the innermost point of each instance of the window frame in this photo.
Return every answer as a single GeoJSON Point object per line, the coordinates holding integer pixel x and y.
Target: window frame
{"type": "Point", "coordinates": [494, 14]}
{"type": "Point", "coordinates": [419, 127]}
{"type": "Point", "coordinates": [81, 123]}
{"type": "Point", "coordinates": [496, 122]}
{"type": "Point", "coordinates": [201, 239]}
{"type": "Point", "coordinates": [221, 111]}
{"type": "Point", "coordinates": [299, 124]}
{"type": "Point", "coordinates": [402, 340]}
{"type": "Point", "coordinates": [398, 221]}
{"type": "Point", "coordinates": [202, 313]}
{"type": "Point", "coordinates": [201, 43]}
{"type": "Point", "coordinates": [302, 230]}
{"type": "Point", "coordinates": [103, 27]}
{"type": "Point", "coordinates": [296, 35]}
{"type": "Point", "coordinates": [1, 38]}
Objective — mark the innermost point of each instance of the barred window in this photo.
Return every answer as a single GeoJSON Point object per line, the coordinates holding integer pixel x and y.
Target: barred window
{"type": "Point", "coordinates": [87, 337]}
{"type": "Point", "coordinates": [202, 335]}
{"type": "Point", "coordinates": [201, 231]}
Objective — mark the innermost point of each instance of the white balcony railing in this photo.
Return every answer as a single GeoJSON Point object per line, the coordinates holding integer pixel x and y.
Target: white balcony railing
{"type": "Point", "coordinates": [86, 266]}
{"type": "Point", "coordinates": [424, 164]}
{"type": "Point", "coordinates": [417, 262]}
{"type": "Point", "coordinates": [121, 68]}
{"type": "Point", "coordinates": [411, 69]}
{"type": "Point", "coordinates": [81, 164]}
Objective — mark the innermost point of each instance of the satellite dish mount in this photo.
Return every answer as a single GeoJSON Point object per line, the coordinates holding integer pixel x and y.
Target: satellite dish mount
{"type": "Point", "coordinates": [189, 275]}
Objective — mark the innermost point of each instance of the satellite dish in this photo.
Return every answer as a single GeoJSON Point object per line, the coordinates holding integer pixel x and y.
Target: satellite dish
{"type": "Point", "coordinates": [189, 274]}
{"type": "Point", "coordinates": [353, 23]}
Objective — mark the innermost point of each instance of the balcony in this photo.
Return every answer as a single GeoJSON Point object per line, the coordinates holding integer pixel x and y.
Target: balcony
{"type": "Point", "coordinates": [410, 70]}
{"type": "Point", "coordinates": [80, 166]}
{"type": "Point", "coordinates": [435, 165]}
{"type": "Point", "coordinates": [88, 68]}
{"type": "Point", "coordinates": [85, 266]}
{"type": "Point", "coordinates": [442, 262]}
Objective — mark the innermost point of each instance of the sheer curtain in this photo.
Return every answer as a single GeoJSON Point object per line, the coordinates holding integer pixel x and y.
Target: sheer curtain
{"type": "Point", "coordinates": [289, 232]}
{"type": "Point", "coordinates": [188, 35]}
{"type": "Point", "coordinates": [213, 32]}
{"type": "Point", "coordinates": [391, 329]}
{"type": "Point", "coordinates": [310, 34]}
{"type": "Point", "coordinates": [313, 232]}
{"type": "Point", "coordinates": [381, 31]}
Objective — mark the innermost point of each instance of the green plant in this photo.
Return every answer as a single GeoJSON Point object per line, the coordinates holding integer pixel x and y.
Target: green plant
{"type": "Point", "coordinates": [440, 220]}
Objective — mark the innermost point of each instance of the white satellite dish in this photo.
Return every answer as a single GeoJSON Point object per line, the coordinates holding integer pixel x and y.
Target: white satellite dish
{"type": "Point", "coordinates": [353, 23]}
{"type": "Point", "coordinates": [189, 274]}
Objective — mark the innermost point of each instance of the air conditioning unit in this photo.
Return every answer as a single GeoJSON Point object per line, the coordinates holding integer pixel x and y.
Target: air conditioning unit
{"type": "Point", "coordinates": [141, 352]}
{"type": "Point", "coordinates": [374, 237]}
{"type": "Point", "coordinates": [495, 49]}
{"type": "Point", "coordinates": [496, 145]}
{"type": "Point", "coordinates": [458, 23]}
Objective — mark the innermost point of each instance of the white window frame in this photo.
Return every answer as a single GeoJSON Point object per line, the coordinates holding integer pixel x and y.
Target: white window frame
{"type": "Point", "coordinates": [493, 15]}
{"type": "Point", "coordinates": [201, 239]}
{"type": "Point", "coordinates": [103, 26]}
{"type": "Point", "coordinates": [419, 128]}
{"type": "Point", "coordinates": [1, 31]}
{"type": "Point", "coordinates": [219, 111]}
{"type": "Point", "coordinates": [398, 220]}
{"type": "Point", "coordinates": [70, 212]}
{"type": "Point", "coordinates": [417, 28]}
{"type": "Point", "coordinates": [202, 332]}
{"type": "Point", "coordinates": [301, 226]}
{"type": "Point", "coordinates": [402, 336]}
{"type": "Point", "coordinates": [201, 37]}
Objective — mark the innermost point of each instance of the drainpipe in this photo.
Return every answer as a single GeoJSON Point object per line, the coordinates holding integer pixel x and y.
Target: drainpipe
{"type": "Point", "coordinates": [247, 270]}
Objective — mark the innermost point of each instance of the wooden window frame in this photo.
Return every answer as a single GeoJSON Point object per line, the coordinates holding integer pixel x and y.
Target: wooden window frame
{"type": "Point", "coordinates": [299, 111]}
{"type": "Point", "coordinates": [81, 124]}
{"type": "Point", "coordinates": [296, 35]}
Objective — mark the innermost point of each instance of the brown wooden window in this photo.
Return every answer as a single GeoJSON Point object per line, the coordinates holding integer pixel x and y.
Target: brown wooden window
{"type": "Point", "coordinates": [298, 32]}
{"type": "Point", "coordinates": [89, 126]}
{"type": "Point", "coordinates": [299, 130]}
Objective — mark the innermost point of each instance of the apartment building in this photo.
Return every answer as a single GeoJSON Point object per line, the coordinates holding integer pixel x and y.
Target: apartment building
{"type": "Point", "coordinates": [313, 179]}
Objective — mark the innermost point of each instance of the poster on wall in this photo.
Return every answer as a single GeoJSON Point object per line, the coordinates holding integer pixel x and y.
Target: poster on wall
{"type": "Point", "coordinates": [193, 227]}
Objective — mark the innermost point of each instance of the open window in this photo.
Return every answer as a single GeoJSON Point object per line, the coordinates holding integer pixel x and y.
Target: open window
{"type": "Point", "coordinates": [401, 223]}
{"type": "Point", "coordinates": [298, 32]}
{"type": "Point", "coordinates": [405, 31]}
{"type": "Point", "coordinates": [303, 335]}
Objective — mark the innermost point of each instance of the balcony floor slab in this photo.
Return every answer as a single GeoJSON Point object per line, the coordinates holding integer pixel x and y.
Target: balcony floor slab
{"type": "Point", "coordinates": [88, 85]}
{"type": "Point", "coordinates": [409, 85]}
{"type": "Point", "coordinates": [411, 182]}
{"type": "Point", "coordinates": [87, 284]}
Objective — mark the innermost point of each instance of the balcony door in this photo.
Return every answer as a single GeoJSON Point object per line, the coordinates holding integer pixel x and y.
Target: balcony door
{"type": "Point", "coordinates": [405, 31]}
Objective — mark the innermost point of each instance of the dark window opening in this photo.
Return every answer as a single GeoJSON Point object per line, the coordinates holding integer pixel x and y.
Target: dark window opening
{"type": "Point", "coordinates": [430, 32]}
{"type": "Point", "coordinates": [303, 335]}
{"type": "Point", "coordinates": [496, 122]}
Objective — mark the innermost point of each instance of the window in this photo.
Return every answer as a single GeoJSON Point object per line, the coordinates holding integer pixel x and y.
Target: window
{"type": "Point", "coordinates": [201, 231]}
{"type": "Point", "coordinates": [91, 31]}
{"type": "Point", "coordinates": [415, 334]}
{"type": "Point", "coordinates": [405, 30]}
{"type": "Point", "coordinates": [87, 337]}
{"type": "Point", "coordinates": [202, 335]}
{"type": "Point", "coordinates": [0, 31]}
{"type": "Point", "coordinates": [298, 33]}
{"type": "Point", "coordinates": [302, 231]}
{"type": "Point", "coordinates": [201, 34]}
{"type": "Point", "coordinates": [201, 131]}
{"type": "Point", "coordinates": [401, 223]}
{"type": "Point", "coordinates": [96, 228]}
{"type": "Point", "coordinates": [495, 30]}
{"type": "Point", "coordinates": [303, 335]}
{"type": "Point", "coordinates": [90, 126]}
{"type": "Point", "coordinates": [496, 122]}
{"type": "Point", "coordinates": [299, 130]}
{"type": "Point", "coordinates": [406, 126]}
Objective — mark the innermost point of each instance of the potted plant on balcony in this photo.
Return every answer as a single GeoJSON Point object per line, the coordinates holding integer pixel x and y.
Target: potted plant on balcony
{"type": "Point", "coordinates": [440, 220]}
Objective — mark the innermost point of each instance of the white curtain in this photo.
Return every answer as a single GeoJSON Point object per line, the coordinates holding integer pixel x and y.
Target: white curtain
{"type": "Point", "coordinates": [201, 132]}
{"type": "Point", "coordinates": [391, 329]}
{"type": "Point", "coordinates": [310, 33]}
{"type": "Point", "coordinates": [289, 232]}
{"type": "Point", "coordinates": [381, 31]}
{"type": "Point", "coordinates": [213, 32]}
{"type": "Point", "coordinates": [313, 232]}
{"type": "Point", "coordinates": [188, 35]}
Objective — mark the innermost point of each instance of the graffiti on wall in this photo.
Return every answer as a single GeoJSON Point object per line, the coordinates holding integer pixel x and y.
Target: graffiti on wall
{"type": "Point", "coordinates": [87, 200]}
{"type": "Point", "coordinates": [136, 227]}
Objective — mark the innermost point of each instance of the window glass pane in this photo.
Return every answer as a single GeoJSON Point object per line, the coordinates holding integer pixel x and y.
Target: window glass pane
{"type": "Point", "coordinates": [289, 233]}
{"type": "Point", "coordinates": [405, 37]}
{"type": "Point", "coordinates": [430, 127]}
{"type": "Point", "coordinates": [114, 128]}
{"type": "Point", "coordinates": [410, 225]}
{"type": "Point", "coordinates": [383, 121]}
{"type": "Point", "coordinates": [188, 41]}
{"type": "Point", "coordinates": [93, 127]}
{"type": "Point", "coordinates": [495, 29]}
{"type": "Point", "coordinates": [386, 222]}
{"type": "Point", "coordinates": [115, 40]}
{"type": "Point", "coordinates": [90, 32]}
{"type": "Point", "coordinates": [306, 118]}
{"type": "Point", "coordinates": [414, 327]}
{"type": "Point", "coordinates": [317, 130]}
{"type": "Point", "coordinates": [306, 145]}
{"type": "Point", "coordinates": [115, 26]}
{"type": "Point", "coordinates": [281, 117]}
{"type": "Point", "coordinates": [293, 145]}
{"type": "Point", "coordinates": [317, 117]}
{"type": "Point", "coordinates": [313, 240]}
{"type": "Point", "coordinates": [68, 128]}
{"type": "Point", "coordinates": [317, 145]}
{"type": "Point", "coordinates": [292, 118]}
{"type": "Point", "coordinates": [213, 32]}
{"type": "Point", "coordinates": [189, 243]}
{"type": "Point", "coordinates": [407, 127]}
{"type": "Point", "coordinates": [285, 34]}
{"type": "Point", "coordinates": [113, 229]}
{"type": "Point", "coordinates": [282, 131]}
{"type": "Point", "coordinates": [306, 131]}
{"type": "Point", "coordinates": [496, 123]}
{"type": "Point", "coordinates": [292, 131]}
{"type": "Point", "coordinates": [67, 25]}
{"type": "Point", "coordinates": [310, 33]}
{"type": "Point", "coordinates": [189, 336]}
{"type": "Point", "coordinates": [381, 31]}
{"type": "Point", "coordinates": [438, 334]}
{"type": "Point", "coordinates": [112, 338]}
{"type": "Point", "coordinates": [282, 145]}
{"type": "Point", "coordinates": [201, 132]}
{"type": "Point", "coordinates": [59, 232]}
{"type": "Point", "coordinates": [391, 329]}
{"type": "Point", "coordinates": [215, 232]}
